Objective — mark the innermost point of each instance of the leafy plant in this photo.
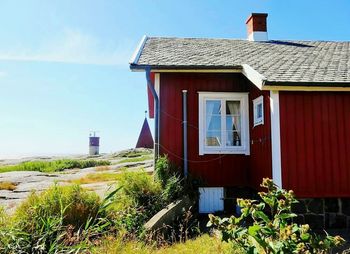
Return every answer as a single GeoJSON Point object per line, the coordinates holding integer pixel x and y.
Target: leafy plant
{"type": "Point", "coordinates": [266, 226]}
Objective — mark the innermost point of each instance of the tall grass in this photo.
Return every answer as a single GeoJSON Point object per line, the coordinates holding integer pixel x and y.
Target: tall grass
{"type": "Point", "coordinates": [204, 244]}
{"type": "Point", "coordinates": [62, 219]}
{"type": "Point", "coordinates": [53, 166]}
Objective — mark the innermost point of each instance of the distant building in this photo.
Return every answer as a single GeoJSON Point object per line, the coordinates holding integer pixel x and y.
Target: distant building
{"type": "Point", "coordinates": [94, 144]}
{"type": "Point", "coordinates": [145, 139]}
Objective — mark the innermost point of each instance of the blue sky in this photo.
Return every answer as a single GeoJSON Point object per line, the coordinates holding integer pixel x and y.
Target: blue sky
{"type": "Point", "coordinates": [64, 64]}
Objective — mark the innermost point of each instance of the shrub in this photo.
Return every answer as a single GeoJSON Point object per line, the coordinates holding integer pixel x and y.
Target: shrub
{"type": "Point", "coordinates": [139, 199]}
{"type": "Point", "coordinates": [75, 204]}
{"type": "Point", "coordinates": [173, 189]}
{"type": "Point", "coordinates": [141, 188]}
{"type": "Point", "coordinates": [164, 169]}
{"type": "Point", "coordinates": [59, 220]}
{"type": "Point", "coordinates": [168, 175]}
{"type": "Point", "coordinates": [271, 229]}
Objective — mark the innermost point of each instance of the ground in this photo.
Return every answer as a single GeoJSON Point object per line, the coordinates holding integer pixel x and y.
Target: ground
{"type": "Point", "coordinates": [27, 181]}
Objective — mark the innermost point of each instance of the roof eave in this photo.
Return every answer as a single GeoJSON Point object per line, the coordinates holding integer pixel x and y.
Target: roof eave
{"type": "Point", "coordinates": [137, 53]}
{"type": "Point", "coordinates": [177, 68]}
{"type": "Point", "coordinates": [307, 83]}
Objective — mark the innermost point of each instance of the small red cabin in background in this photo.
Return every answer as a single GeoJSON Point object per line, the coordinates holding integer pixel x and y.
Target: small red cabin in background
{"type": "Point", "coordinates": [145, 139]}
{"type": "Point", "coordinates": [255, 108]}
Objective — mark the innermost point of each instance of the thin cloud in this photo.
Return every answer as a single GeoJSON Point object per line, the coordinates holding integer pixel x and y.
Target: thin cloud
{"type": "Point", "coordinates": [2, 74]}
{"type": "Point", "coordinates": [72, 46]}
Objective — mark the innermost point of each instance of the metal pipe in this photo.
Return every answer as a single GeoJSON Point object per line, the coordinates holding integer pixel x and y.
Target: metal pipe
{"type": "Point", "coordinates": [184, 128]}
{"type": "Point", "coordinates": [156, 114]}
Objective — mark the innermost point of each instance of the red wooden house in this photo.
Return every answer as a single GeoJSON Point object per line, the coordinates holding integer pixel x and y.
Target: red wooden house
{"type": "Point", "coordinates": [234, 111]}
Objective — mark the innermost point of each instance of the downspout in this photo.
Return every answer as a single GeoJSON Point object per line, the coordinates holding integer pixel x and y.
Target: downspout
{"type": "Point", "coordinates": [184, 128]}
{"type": "Point", "coordinates": [156, 114]}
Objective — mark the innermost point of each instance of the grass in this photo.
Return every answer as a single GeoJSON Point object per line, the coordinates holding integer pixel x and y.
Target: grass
{"type": "Point", "coordinates": [53, 166]}
{"type": "Point", "coordinates": [136, 159]}
{"type": "Point", "coordinates": [134, 153]}
{"type": "Point", "coordinates": [96, 178]}
{"type": "Point", "coordinates": [6, 185]}
{"type": "Point", "coordinates": [203, 244]}
{"type": "Point", "coordinates": [102, 168]}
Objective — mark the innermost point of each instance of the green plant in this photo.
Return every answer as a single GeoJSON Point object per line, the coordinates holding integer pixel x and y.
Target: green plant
{"type": "Point", "coordinates": [59, 220]}
{"type": "Point", "coordinates": [266, 226]}
{"type": "Point", "coordinates": [164, 169]}
{"type": "Point", "coordinates": [141, 188]}
{"type": "Point", "coordinates": [173, 189]}
{"type": "Point", "coordinates": [79, 205]}
{"type": "Point", "coordinates": [168, 175]}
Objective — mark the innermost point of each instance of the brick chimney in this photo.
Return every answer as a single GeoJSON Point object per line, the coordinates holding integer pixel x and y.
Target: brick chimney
{"type": "Point", "coordinates": [257, 27]}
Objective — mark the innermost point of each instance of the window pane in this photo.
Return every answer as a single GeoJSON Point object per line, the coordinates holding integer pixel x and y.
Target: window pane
{"type": "Point", "coordinates": [213, 123]}
{"type": "Point", "coordinates": [233, 123]}
{"type": "Point", "coordinates": [259, 110]}
{"type": "Point", "coordinates": [213, 138]}
{"type": "Point", "coordinates": [213, 107]}
{"type": "Point", "coordinates": [233, 107]}
{"type": "Point", "coordinates": [233, 138]}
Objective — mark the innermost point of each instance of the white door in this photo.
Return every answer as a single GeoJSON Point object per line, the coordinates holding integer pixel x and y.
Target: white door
{"type": "Point", "coordinates": [211, 199]}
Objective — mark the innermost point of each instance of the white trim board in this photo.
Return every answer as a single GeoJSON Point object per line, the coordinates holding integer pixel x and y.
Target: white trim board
{"type": "Point", "coordinates": [275, 138]}
{"type": "Point", "coordinates": [136, 55]}
{"type": "Point", "coordinates": [244, 148]}
{"type": "Point", "coordinates": [157, 84]}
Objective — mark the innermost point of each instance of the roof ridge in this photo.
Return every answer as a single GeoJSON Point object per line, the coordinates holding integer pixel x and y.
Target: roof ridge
{"type": "Point", "coordinates": [238, 39]}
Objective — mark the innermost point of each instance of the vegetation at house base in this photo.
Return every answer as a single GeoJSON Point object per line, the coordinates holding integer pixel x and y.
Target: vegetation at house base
{"type": "Point", "coordinates": [143, 195]}
{"type": "Point", "coordinates": [266, 226]}
{"type": "Point", "coordinates": [53, 166]}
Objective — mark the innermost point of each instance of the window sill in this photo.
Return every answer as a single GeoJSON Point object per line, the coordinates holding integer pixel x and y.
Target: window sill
{"type": "Point", "coordinates": [243, 151]}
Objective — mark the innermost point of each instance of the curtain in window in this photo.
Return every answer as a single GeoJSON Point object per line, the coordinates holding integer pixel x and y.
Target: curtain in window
{"type": "Point", "coordinates": [233, 123]}
{"type": "Point", "coordinates": [213, 122]}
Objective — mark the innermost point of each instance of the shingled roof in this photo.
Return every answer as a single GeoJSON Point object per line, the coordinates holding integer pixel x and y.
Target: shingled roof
{"type": "Point", "coordinates": [276, 62]}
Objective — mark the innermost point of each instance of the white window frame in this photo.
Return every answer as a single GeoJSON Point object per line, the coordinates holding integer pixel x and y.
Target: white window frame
{"type": "Point", "coordinates": [256, 102]}
{"type": "Point", "coordinates": [223, 96]}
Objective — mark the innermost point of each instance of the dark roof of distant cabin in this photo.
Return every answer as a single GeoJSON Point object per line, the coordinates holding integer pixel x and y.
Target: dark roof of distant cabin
{"type": "Point", "coordinates": [321, 62]}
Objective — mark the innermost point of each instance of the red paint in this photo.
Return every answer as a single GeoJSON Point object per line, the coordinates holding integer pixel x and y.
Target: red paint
{"type": "Point", "coordinates": [315, 143]}
{"type": "Point", "coordinates": [214, 170]}
{"type": "Point", "coordinates": [260, 136]}
{"type": "Point", "coordinates": [145, 139]}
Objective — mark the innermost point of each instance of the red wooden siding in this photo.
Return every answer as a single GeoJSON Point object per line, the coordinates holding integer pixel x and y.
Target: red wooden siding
{"type": "Point", "coordinates": [315, 143]}
{"type": "Point", "coordinates": [214, 170]}
{"type": "Point", "coordinates": [260, 136]}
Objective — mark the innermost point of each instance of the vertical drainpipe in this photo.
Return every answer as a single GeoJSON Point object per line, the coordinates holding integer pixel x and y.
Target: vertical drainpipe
{"type": "Point", "coordinates": [184, 128]}
{"type": "Point", "coordinates": [156, 114]}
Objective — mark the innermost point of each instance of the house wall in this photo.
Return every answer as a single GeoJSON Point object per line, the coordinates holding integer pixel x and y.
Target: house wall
{"type": "Point", "coordinates": [260, 146]}
{"type": "Point", "coordinates": [315, 143]}
{"type": "Point", "coordinates": [214, 170]}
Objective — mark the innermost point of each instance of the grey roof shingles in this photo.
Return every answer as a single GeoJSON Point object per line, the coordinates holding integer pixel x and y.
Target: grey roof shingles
{"type": "Point", "coordinates": [277, 61]}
